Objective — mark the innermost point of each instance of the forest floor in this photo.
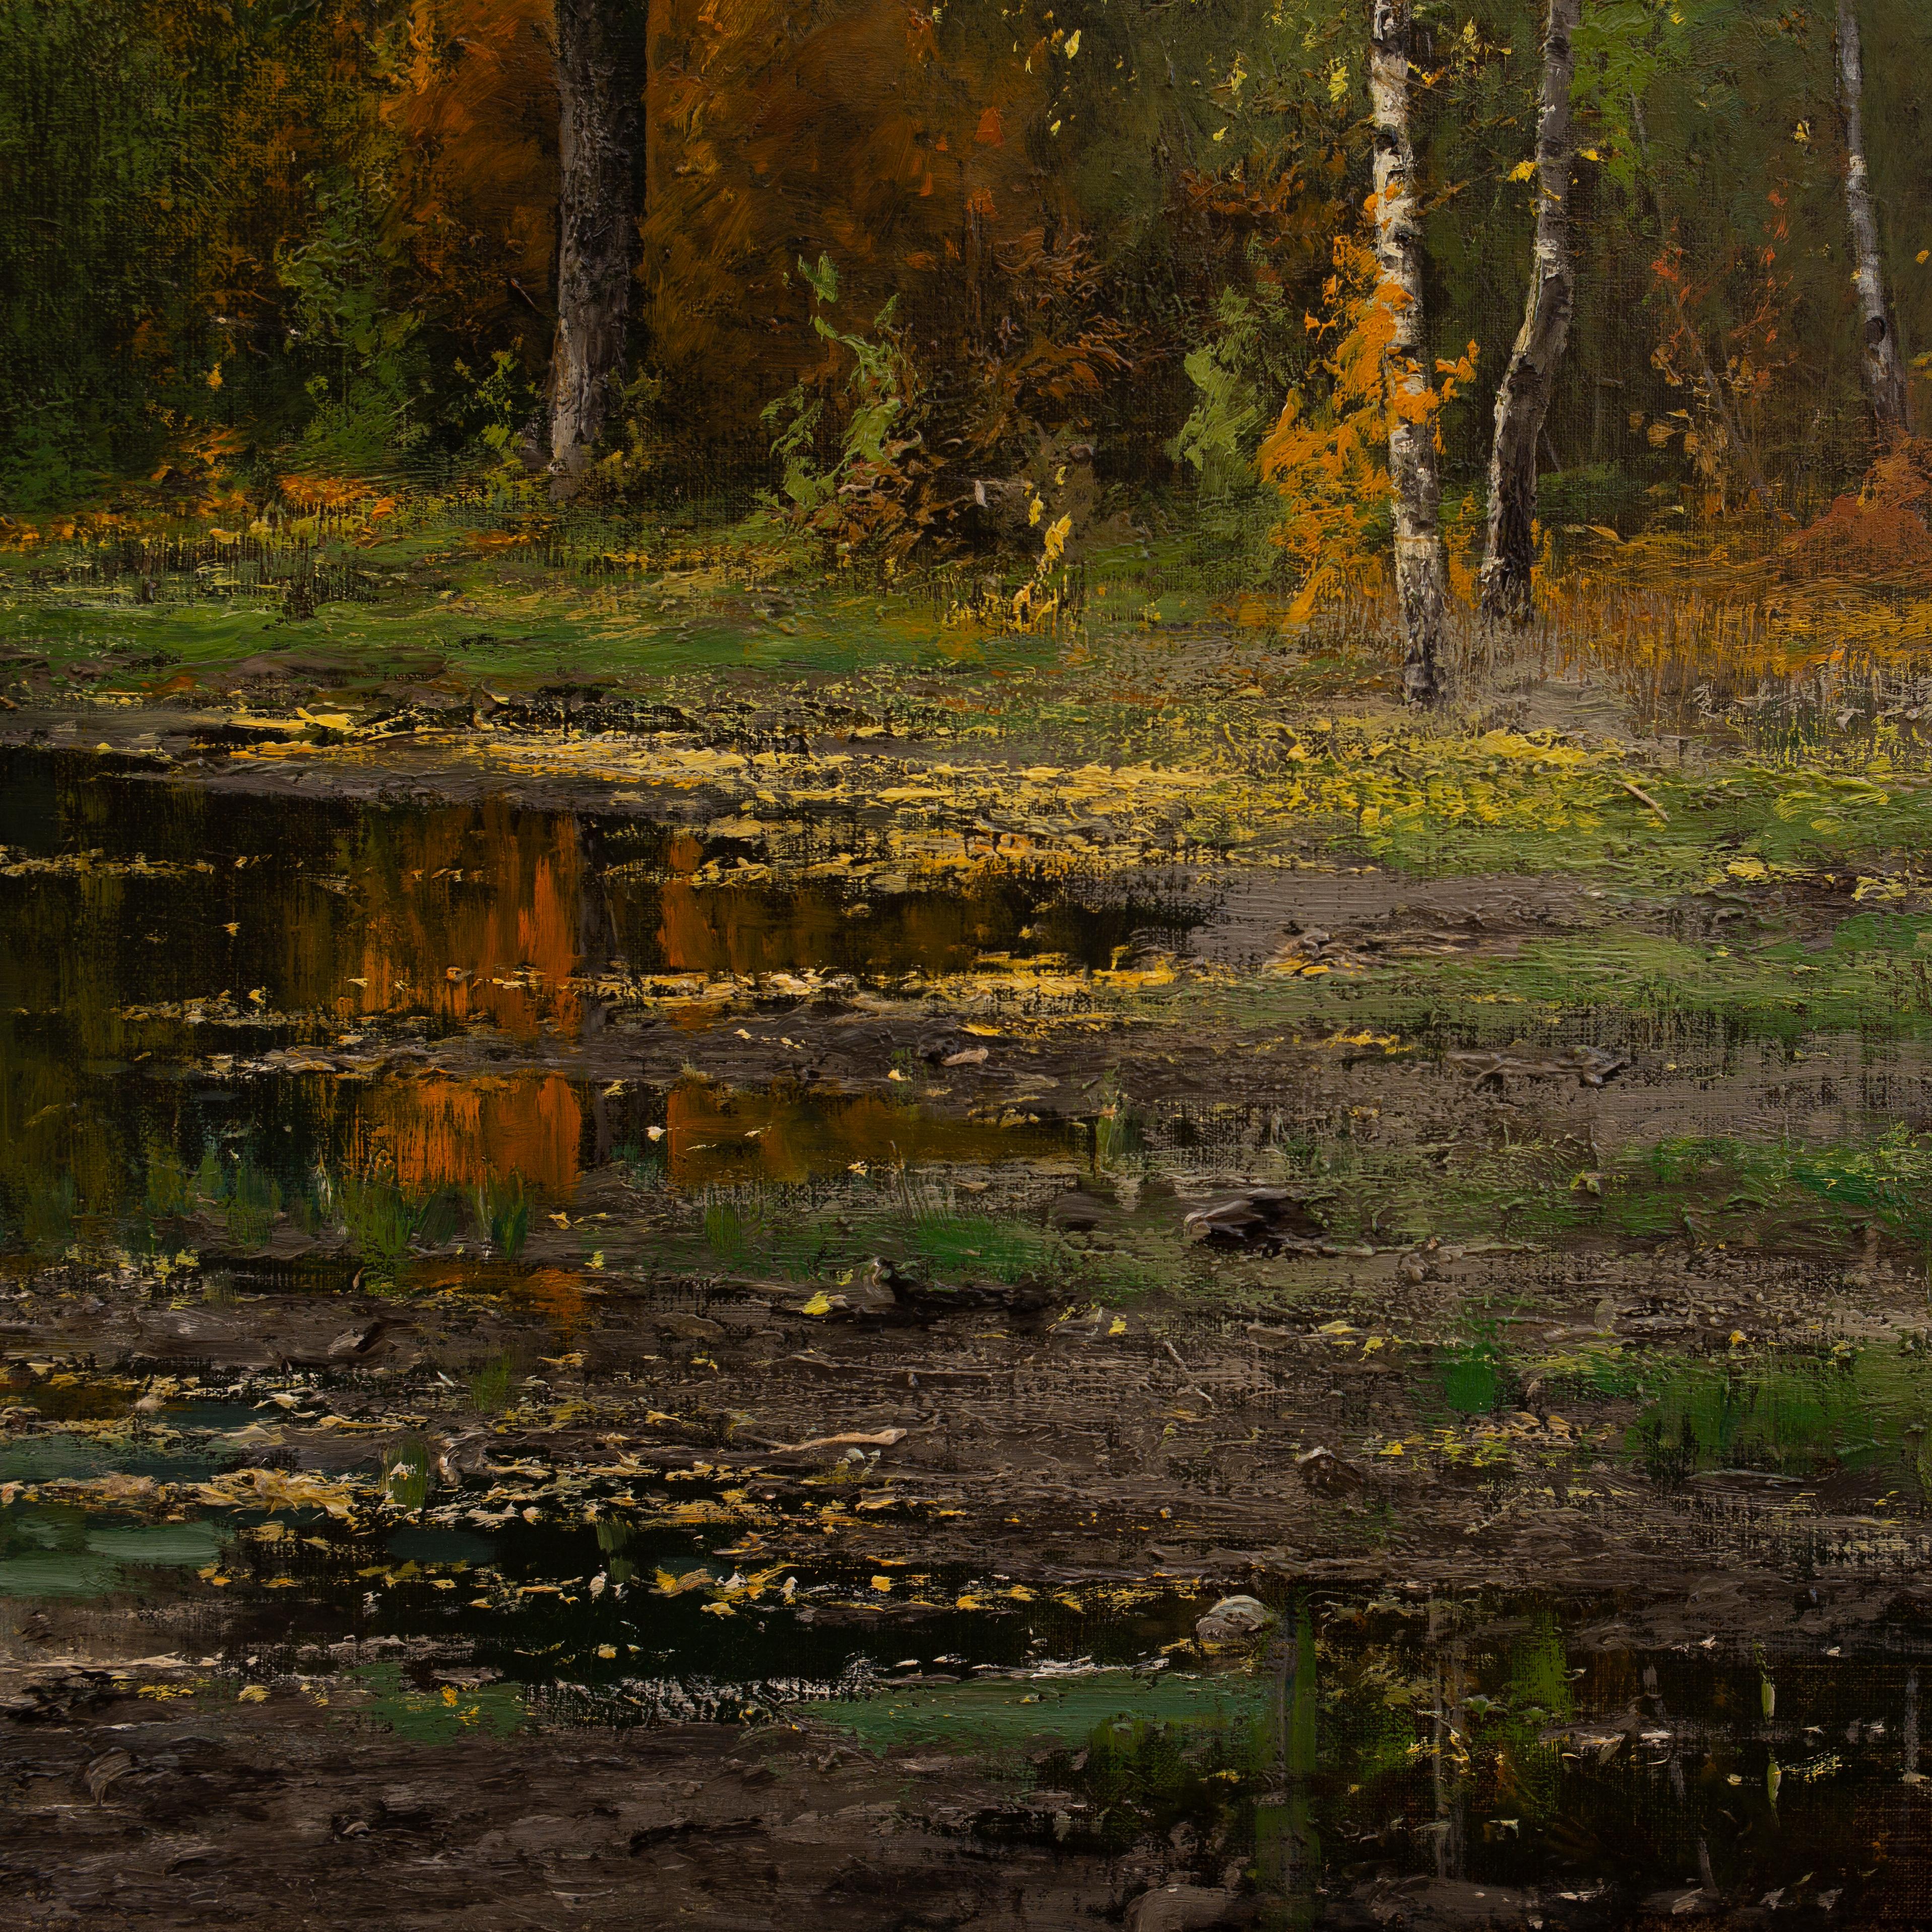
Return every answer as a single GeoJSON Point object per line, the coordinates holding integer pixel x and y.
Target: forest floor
{"type": "Point", "coordinates": [669, 1226]}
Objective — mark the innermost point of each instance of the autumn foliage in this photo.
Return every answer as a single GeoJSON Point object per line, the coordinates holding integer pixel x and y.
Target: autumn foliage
{"type": "Point", "coordinates": [899, 270]}
{"type": "Point", "coordinates": [1327, 455]}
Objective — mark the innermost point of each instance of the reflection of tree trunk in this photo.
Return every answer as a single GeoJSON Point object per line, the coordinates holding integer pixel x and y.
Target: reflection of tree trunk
{"type": "Point", "coordinates": [1421, 566]}
{"type": "Point", "coordinates": [594, 230]}
{"type": "Point", "coordinates": [1287, 1854]}
{"type": "Point", "coordinates": [1522, 403]}
{"type": "Point", "coordinates": [1449, 1724]}
{"type": "Point", "coordinates": [1884, 372]}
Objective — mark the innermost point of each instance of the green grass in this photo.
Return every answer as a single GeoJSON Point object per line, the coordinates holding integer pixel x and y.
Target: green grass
{"type": "Point", "coordinates": [1865, 1410]}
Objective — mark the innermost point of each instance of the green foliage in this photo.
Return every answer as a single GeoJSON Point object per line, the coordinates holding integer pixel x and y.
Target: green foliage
{"type": "Point", "coordinates": [407, 1471]}
{"type": "Point", "coordinates": [725, 1231]}
{"type": "Point", "coordinates": [254, 1199]}
{"type": "Point", "coordinates": [1863, 1409]}
{"type": "Point", "coordinates": [852, 454]}
{"type": "Point", "coordinates": [368, 414]}
{"type": "Point", "coordinates": [154, 161]}
{"type": "Point", "coordinates": [1240, 375]}
{"type": "Point", "coordinates": [498, 408]}
{"type": "Point", "coordinates": [503, 1208]}
{"type": "Point", "coordinates": [380, 1219]}
{"type": "Point", "coordinates": [170, 1192]}
{"type": "Point", "coordinates": [490, 1385]}
{"type": "Point", "coordinates": [966, 1246]}
{"type": "Point", "coordinates": [47, 1213]}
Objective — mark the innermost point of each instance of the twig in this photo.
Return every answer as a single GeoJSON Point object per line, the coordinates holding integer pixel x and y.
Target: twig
{"type": "Point", "coordinates": [1637, 791]}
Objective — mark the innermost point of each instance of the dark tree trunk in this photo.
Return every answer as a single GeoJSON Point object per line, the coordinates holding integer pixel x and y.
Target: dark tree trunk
{"type": "Point", "coordinates": [1523, 402]}
{"type": "Point", "coordinates": [1421, 564]}
{"type": "Point", "coordinates": [1884, 368]}
{"type": "Point", "coordinates": [595, 224]}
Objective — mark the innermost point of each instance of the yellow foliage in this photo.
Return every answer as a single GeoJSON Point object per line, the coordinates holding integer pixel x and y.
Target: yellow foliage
{"type": "Point", "coordinates": [1327, 454]}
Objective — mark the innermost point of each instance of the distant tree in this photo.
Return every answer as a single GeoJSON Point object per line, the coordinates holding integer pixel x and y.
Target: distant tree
{"type": "Point", "coordinates": [1523, 402]}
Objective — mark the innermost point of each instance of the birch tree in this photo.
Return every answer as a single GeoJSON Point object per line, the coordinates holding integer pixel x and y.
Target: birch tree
{"type": "Point", "coordinates": [1421, 564]}
{"type": "Point", "coordinates": [1884, 368]}
{"type": "Point", "coordinates": [1522, 401]}
{"type": "Point", "coordinates": [596, 114]}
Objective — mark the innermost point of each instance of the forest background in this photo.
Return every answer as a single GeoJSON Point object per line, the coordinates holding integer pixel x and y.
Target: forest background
{"type": "Point", "coordinates": [923, 284]}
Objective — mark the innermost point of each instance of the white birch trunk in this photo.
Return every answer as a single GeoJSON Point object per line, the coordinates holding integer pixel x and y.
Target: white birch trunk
{"type": "Point", "coordinates": [1421, 565]}
{"type": "Point", "coordinates": [1885, 369]}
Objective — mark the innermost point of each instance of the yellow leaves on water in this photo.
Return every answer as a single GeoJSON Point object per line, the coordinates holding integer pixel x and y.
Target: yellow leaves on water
{"type": "Point", "coordinates": [279, 1489]}
{"type": "Point", "coordinates": [725, 1592]}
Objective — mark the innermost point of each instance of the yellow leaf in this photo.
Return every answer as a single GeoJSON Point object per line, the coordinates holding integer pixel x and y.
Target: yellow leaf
{"type": "Point", "coordinates": [1522, 171]}
{"type": "Point", "coordinates": [820, 1303]}
{"type": "Point", "coordinates": [1073, 44]}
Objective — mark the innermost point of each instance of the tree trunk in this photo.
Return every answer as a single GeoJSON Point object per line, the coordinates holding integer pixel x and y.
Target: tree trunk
{"type": "Point", "coordinates": [1523, 402]}
{"type": "Point", "coordinates": [1421, 565]}
{"type": "Point", "coordinates": [596, 116]}
{"type": "Point", "coordinates": [1885, 370]}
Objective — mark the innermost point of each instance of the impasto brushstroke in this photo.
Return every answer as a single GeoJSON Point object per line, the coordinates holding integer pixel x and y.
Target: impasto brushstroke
{"type": "Point", "coordinates": [965, 968]}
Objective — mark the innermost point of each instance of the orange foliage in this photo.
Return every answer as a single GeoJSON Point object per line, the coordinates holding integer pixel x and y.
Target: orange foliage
{"type": "Point", "coordinates": [778, 130]}
{"type": "Point", "coordinates": [1328, 454]}
{"type": "Point", "coordinates": [475, 103]}
{"type": "Point", "coordinates": [1881, 532]}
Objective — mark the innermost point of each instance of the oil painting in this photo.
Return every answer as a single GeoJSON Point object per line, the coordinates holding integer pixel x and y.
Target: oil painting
{"type": "Point", "coordinates": [961, 965]}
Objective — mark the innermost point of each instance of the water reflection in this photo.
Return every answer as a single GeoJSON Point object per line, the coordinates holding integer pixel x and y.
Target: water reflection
{"type": "Point", "coordinates": [714, 1136]}
{"type": "Point", "coordinates": [156, 938]}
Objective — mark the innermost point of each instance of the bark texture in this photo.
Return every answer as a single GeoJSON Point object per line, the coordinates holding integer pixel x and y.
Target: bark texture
{"type": "Point", "coordinates": [1421, 566]}
{"type": "Point", "coordinates": [1523, 402]}
{"type": "Point", "coordinates": [596, 118]}
{"type": "Point", "coordinates": [1884, 368]}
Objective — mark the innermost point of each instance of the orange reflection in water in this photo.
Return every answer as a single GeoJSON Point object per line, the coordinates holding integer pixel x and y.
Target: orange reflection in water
{"type": "Point", "coordinates": [717, 1137]}
{"type": "Point", "coordinates": [444, 1131]}
{"type": "Point", "coordinates": [555, 1293]}
{"type": "Point", "coordinates": [716, 929]}
{"type": "Point", "coordinates": [472, 914]}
